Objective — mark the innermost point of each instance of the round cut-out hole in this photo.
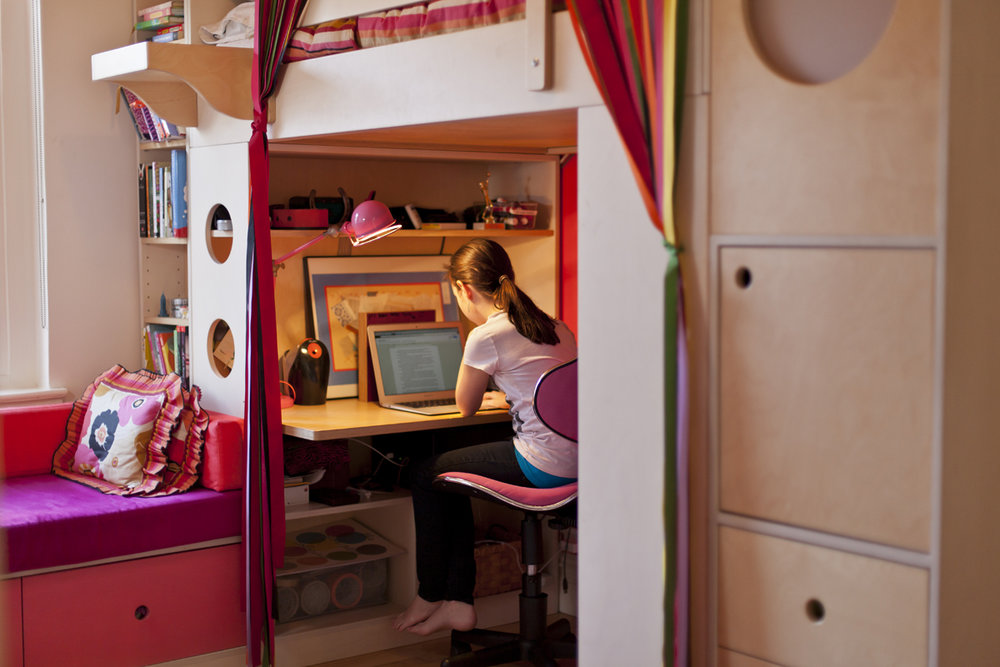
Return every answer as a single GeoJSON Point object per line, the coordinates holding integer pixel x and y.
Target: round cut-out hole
{"type": "Point", "coordinates": [219, 233]}
{"type": "Point", "coordinates": [221, 348]}
{"type": "Point", "coordinates": [816, 41]}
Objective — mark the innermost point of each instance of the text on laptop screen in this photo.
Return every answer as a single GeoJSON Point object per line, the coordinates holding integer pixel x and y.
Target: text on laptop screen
{"type": "Point", "coordinates": [419, 360]}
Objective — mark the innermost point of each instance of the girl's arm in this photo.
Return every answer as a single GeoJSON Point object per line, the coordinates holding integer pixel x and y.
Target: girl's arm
{"type": "Point", "coordinates": [470, 389]}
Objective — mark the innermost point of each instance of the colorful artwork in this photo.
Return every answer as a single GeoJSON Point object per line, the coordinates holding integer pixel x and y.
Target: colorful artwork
{"type": "Point", "coordinates": [342, 287]}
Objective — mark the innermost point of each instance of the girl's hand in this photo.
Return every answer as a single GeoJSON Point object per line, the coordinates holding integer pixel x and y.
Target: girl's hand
{"type": "Point", "coordinates": [494, 400]}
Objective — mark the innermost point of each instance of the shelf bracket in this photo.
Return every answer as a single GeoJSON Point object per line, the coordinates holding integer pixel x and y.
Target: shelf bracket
{"type": "Point", "coordinates": [170, 77]}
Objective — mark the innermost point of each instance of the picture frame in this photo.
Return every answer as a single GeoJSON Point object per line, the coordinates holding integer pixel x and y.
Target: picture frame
{"type": "Point", "coordinates": [340, 288]}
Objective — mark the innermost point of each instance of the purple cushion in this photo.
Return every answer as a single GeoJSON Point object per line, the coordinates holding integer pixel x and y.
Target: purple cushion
{"type": "Point", "coordinates": [52, 522]}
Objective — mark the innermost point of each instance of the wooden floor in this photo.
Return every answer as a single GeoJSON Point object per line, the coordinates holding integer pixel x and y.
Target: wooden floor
{"type": "Point", "coordinates": [425, 654]}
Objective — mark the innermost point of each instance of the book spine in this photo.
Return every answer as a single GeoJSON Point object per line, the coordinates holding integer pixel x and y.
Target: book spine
{"type": "Point", "coordinates": [135, 106]}
{"type": "Point", "coordinates": [177, 5]}
{"type": "Point", "coordinates": [157, 228]}
{"type": "Point", "coordinates": [156, 23]}
{"type": "Point", "coordinates": [168, 37]}
{"type": "Point", "coordinates": [143, 223]}
{"type": "Point", "coordinates": [168, 212]}
{"type": "Point", "coordinates": [154, 135]}
{"type": "Point", "coordinates": [178, 192]}
{"type": "Point", "coordinates": [167, 12]}
{"type": "Point", "coordinates": [151, 231]}
{"type": "Point", "coordinates": [411, 211]}
{"type": "Point", "coordinates": [131, 115]}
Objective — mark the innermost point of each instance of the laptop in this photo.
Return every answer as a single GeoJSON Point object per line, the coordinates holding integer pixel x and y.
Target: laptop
{"type": "Point", "coordinates": [416, 365]}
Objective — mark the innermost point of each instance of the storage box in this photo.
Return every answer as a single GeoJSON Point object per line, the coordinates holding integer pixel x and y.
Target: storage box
{"type": "Point", "coordinates": [332, 568]}
{"type": "Point", "coordinates": [516, 214]}
{"type": "Point", "coordinates": [296, 495]}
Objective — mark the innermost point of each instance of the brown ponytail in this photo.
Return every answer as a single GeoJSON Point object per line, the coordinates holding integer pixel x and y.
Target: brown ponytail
{"type": "Point", "coordinates": [484, 264]}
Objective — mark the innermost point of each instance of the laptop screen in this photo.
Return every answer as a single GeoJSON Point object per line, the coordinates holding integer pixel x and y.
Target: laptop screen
{"type": "Point", "coordinates": [417, 358]}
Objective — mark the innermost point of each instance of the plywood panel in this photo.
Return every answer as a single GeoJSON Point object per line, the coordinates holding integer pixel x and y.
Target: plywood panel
{"type": "Point", "coordinates": [857, 155]}
{"type": "Point", "coordinates": [825, 389]}
{"type": "Point", "coordinates": [795, 604]}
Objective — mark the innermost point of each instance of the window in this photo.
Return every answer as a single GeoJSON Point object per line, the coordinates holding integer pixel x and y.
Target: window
{"type": "Point", "coordinates": [23, 325]}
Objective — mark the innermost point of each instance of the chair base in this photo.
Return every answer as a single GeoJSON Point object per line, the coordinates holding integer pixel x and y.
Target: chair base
{"type": "Point", "coordinates": [501, 648]}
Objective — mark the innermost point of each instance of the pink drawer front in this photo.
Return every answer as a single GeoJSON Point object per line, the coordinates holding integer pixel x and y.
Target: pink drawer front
{"type": "Point", "coordinates": [11, 648]}
{"type": "Point", "coordinates": [135, 612]}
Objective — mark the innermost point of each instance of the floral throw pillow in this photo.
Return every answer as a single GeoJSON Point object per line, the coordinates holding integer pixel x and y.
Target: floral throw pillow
{"type": "Point", "coordinates": [185, 446]}
{"type": "Point", "coordinates": [118, 432]}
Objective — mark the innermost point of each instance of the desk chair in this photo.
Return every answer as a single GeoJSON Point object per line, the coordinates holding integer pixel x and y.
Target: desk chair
{"type": "Point", "coordinates": [555, 404]}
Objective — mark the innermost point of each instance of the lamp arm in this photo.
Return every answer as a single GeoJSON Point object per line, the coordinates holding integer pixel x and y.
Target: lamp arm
{"type": "Point", "coordinates": [331, 231]}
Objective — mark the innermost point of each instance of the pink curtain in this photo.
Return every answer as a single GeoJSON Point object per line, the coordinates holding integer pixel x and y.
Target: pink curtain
{"type": "Point", "coordinates": [264, 517]}
{"type": "Point", "coordinates": [635, 51]}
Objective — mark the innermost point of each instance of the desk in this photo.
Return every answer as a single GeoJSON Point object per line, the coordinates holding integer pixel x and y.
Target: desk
{"type": "Point", "coordinates": [351, 418]}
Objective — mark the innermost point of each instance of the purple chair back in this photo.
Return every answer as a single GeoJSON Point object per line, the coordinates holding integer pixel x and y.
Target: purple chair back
{"type": "Point", "coordinates": [555, 399]}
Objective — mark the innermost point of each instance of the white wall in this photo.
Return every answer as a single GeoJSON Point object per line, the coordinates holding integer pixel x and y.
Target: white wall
{"type": "Point", "coordinates": [621, 311]}
{"type": "Point", "coordinates": [92, 195]}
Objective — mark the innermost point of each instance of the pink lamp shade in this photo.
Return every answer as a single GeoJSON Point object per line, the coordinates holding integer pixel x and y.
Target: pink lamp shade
{"type": "Point", "coordinates": [370, 221]}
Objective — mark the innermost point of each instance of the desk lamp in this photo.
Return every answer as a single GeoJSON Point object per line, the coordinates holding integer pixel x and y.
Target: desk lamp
{"type": "Point", "coordinates": [370, 221]}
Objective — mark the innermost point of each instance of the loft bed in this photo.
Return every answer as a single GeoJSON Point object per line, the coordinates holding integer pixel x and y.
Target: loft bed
{"type": "Point", "coordinates": [398, 24]}
{"type": "Point", "coordinates": [510, 86]}
{"type": "Point", "coordinates": [511, 82]}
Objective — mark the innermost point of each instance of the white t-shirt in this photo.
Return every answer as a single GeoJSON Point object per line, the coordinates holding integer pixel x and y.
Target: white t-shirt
{"type": "Point", "coordinates": [515, 363]}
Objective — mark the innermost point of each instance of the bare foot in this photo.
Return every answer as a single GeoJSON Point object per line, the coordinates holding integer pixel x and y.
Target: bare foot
{"type": "Point", "coordinates": [452, 615]}
{"type": "Point", "coordinates": [418, 611]}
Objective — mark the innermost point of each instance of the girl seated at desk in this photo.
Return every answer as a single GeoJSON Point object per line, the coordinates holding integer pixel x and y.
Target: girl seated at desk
{"type": "Point", "coordinates": [514, 342]}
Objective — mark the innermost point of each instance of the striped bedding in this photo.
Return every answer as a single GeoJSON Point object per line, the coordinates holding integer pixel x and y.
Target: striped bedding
{"type": "Point", "coordinates": [423, 19]}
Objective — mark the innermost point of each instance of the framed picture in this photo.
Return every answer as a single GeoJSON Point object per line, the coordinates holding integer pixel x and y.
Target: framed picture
{"type": "Point", "coordinates": [342, 287]}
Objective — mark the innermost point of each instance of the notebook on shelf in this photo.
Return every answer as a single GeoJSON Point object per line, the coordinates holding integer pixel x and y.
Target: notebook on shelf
{"type": "Point", "coordinates": [416, 365]}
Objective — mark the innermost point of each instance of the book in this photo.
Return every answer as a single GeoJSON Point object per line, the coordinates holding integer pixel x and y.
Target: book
{"type": "Point", "coordinates": [156, 23]}
{"type": "Point", "coordinates": [178, 192]}
{"type": "Point", "coordinates": [173, 5]}
{"type": "Point", "coordinates": [143, 223]}
{"type": "Point", "coordinates": [411, 211]}
{"type": "Point", "coordinates": [168, 36]}
{"type": "Point", "coordinates": [445, 225]}
{"type": "Point", "coordinates": [160, 13]}
{"type": "Point", "coordinates": [134, 106]}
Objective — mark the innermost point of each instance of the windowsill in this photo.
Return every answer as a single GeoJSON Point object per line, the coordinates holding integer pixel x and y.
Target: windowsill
{"type": "Point", "coordinates": [24, 396]}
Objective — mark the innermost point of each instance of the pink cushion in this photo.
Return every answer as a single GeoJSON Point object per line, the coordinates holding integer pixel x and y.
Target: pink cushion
{"type": "Point", "coordinates": [51, 522]}
{"type": "Point", "coordinates": [322, 40]}
{"type": "Point", "coordinates": [521, 497]}
{"type": "Point", "coordinates": [29, 436]}
{"type": "Point", "coordinates": [222, 459]}
{"type": "Point", "coordinates": [118, 431]}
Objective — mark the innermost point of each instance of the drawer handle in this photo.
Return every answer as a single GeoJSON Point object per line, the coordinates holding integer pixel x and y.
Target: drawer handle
{"type": "Point", "coordinates": [815, 611]}
{"type": "Point", "coordinates": [141, 612]}
{"type": "Point", "coordinates": [743, 277]}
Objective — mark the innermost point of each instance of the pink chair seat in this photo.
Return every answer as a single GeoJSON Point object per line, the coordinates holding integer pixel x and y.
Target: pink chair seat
{"type": "Point", "coordinates": [520, 497]}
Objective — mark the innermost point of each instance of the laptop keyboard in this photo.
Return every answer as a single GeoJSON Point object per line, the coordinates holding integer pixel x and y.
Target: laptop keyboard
{"type": "Point", "coordinates": [428, 403]}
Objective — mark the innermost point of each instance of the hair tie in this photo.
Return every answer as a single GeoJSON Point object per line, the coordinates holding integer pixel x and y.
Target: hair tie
{"type": "Point", "coordinates": [503, 277]}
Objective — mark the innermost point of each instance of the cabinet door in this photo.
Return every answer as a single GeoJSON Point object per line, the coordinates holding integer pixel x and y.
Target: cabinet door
{"type": "Point", "coordinates": [135, 612]}
{"type": "Point", "coordinates": [794, 604]}
{"type": "Point", "coordinates": [825, 389]}
{"type": "Point", "coordinates": [11, 645]}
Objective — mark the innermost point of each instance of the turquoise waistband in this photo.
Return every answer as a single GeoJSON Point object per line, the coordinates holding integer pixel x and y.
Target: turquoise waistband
{"type": "Point", "coordinates": [540, 478]}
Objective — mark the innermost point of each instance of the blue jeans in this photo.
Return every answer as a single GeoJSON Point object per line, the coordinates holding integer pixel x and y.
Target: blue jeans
{"type": "Point", "coordinates": [446, 566]}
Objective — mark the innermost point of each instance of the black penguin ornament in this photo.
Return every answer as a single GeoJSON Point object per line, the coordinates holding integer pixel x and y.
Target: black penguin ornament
{"type": "Point", "coordinates": [310, 372]}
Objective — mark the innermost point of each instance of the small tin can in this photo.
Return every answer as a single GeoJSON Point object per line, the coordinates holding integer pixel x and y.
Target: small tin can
{"type": "Point", "coordinates": [180, 308]}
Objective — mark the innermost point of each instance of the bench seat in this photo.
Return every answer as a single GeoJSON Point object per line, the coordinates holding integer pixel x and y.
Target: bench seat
{"type": "Point", "coordinates": [52, 522]}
